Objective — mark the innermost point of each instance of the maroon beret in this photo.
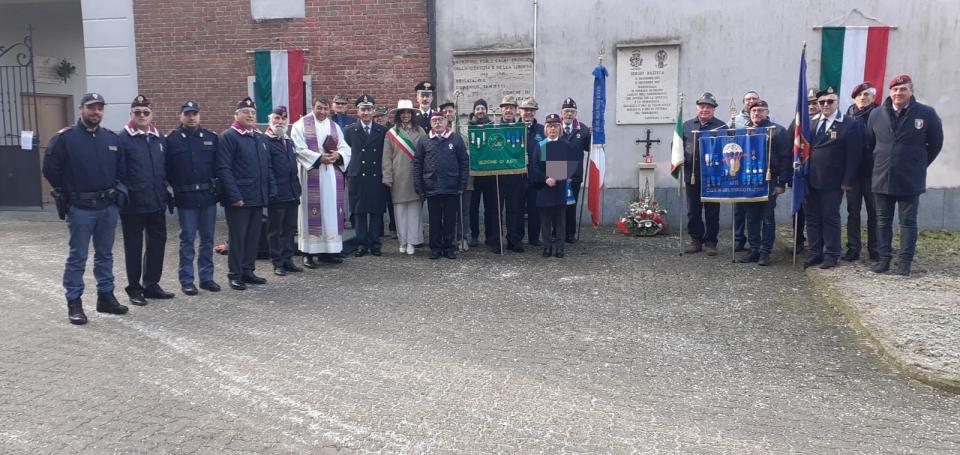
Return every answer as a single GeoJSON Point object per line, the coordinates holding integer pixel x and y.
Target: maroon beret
{"type": "Point", "coordinates": [757, 103]}
{"type": "Point", "coordinates": [900, 80]}
{"type": "Point", "coordinates": [861, 87]}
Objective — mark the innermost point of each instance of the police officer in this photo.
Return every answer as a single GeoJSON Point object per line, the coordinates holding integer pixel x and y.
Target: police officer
{"type": "Point", "coordinates": [424, 96]}
{"type": "Point", "coordinates": [528, 115]}
{"type": "Point", "coordinates": [143, 219]}
{"type": "Point", "coordinates": [698, 212]}
{"type": "Point", "coordinates": [84, 165]}
{"type": "Point", "coordinates": [339, 108]}
{"type": "Point", "coordinates": [368, 195]}
{"type": "Point", "coordinates": [578, 135]}
{"type": "Point", "coordinates": [905, 137]}
{"type": "Point", "coordinates": [191, 156]}
{"type": "Point", "coordinates": [246, 176]}
{"type": "Point", "coordinates": [834, 157]}
{"type": "Point", "coordinates": [284, 206]}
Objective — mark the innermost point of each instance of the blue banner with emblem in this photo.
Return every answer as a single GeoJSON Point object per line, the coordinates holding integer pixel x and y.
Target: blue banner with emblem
{"type": "Point", "coordinates": [735, 165]}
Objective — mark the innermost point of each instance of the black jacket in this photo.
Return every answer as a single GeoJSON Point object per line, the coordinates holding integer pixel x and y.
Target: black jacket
{"type": "Point", "coordinates": [903, 147]}
{"type": "Point", "coordinates": [865, 170]}
{"type": "Point", "coordinates": [579, 139]}
{"type": "Point", "coordinates": [781, 154]}
{"type": "Point", "coordinates": [559, 150]}
{"type": "Point", "coordinates": [440, 166]}
{"type": "Point", "coordinates": [146, 175]}
{"type": "Point", "coordinates": [283, 161]}
{"type": "Point", "coordinates": [191, 160]}
{"type": "Point", "coordinates": [365, 171]}
{"type": "Point", "coordinates": [80, 161]}
{"type": "Point", "coordinates": [244, 169]}
{"type": "Point", "coordinates": [834, 160]}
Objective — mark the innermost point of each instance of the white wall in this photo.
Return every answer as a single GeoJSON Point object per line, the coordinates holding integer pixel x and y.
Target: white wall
{"type": "Point", "coordinates": [726, 48]}
{"type": "Point", "coordinates": [110, 49]}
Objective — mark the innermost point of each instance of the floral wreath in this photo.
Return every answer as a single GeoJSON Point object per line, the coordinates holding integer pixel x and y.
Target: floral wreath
{"type": "Point", "coordinates": [644, 217]}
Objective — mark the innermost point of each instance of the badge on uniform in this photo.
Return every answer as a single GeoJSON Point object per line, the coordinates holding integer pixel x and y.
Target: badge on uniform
{"type": "Point", "coordinates": [112, 148]}
{"type": "Point", "coordinates": [833, 134]}
{"type": "Point", "coordinates": [207, 142]}
{"type": "Point", "coordinates": [918, 123]}
{"type": "Point", "coordinates": [578, 135]}
{"type": "Point", "coordinates": [451, 146]}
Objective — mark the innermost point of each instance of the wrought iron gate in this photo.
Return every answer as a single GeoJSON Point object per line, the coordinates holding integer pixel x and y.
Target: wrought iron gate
{"type": "Point", "coordinates": [19, 169]}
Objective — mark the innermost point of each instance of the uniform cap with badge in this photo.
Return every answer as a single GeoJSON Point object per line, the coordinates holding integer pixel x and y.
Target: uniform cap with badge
{"type": "Point", "coordinates": [364, 101]}
{"type": "Point", "coordinates": [569, 103]}
{"type": "Point", "coordinates": [189, 106]}
{"type": "Point", "coordinates": [553, 118]}
{"type": "Point", "coordinates": [340, 99]}
{"type": "Point", "coordinates": [380, 111]}
{"type": "Point", "coordinates": [140, 101]}
{"type": "Point", "coordinates": [92, 98]}
{"type": "Point", "coordinates": [246, 102]}
{"type": "Point", "coordinates": [424, 88]}
{"type": "Point", "coordinates": [508, 100]}
{"type": "Point", "coordinates": [281, 111]}
{"type": "Point", "coordinates": [865, 85]}
{"type": "Point", "coordinates": [900, 80]}
{"type": "Point", "coordinates": [529, 103]}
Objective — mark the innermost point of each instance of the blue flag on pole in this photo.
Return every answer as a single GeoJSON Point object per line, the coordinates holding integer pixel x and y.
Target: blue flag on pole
{"type": "Point", "coordinates": [599, 103]}
{"type": "Point", "coordinates": [801, 137]}
{"type": "Point", "coordinates": [597, 167]}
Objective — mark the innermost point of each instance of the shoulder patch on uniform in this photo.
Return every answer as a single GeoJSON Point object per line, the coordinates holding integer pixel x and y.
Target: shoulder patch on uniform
{"type": "Point", "coordinates": [63, 129]}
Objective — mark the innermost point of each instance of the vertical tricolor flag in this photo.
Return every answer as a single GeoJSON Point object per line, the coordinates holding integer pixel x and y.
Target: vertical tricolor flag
{"type": "Point", "coordinates": [598, 158]}
{"type": "Point", "coordinates": [279, 82]}
{"type": "Point", "coordinates": [676, 149]}
{"type": "Point", "coordinates": [851, 55]}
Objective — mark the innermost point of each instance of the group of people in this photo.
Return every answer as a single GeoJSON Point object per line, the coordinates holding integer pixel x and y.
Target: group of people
{"type": "Point", "coordinates": [309, 178]}
{"type": "Point", "coordinates": [876, 154]}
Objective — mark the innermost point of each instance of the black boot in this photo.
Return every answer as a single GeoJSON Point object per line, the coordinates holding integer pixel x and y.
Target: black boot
{"type": "Point", "coordinates": [107, 303]}
{"type": "Point", "coordinates": [882, 265]}
{"type": "Point", "coordinates": [75, 312]}
{"type": "Point", "coordinates": [904, 268]}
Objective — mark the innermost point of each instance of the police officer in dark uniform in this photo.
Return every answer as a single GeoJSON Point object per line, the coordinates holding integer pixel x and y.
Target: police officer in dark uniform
{"type": "Point", "coordinates": [578, 135]}
{"type": "Point", "coordinates": [835, 151]}
{"type": "Point", "coordinates": [246, 175]}
{"type": "Point", "coordinates": [368, 195]}
{"type": "Point", "coordinates": [142, 219]}
{"type": "Point", "coordinates": [191, 156]}
{"type": "Point", "coordinates": [698, 212]}
{"type": "Point", "coordinates": [535, 134]}
{"type": "Point", "coordinates": [284, 206]}
{"type": "Point", "coordinates": [339, 115]}
{"type": "Point", "coordinates": [905, 137]}
{"type": "Point", "coordinates": [424, 95]}
{"type": "Point", "coordinates": [84, 165]}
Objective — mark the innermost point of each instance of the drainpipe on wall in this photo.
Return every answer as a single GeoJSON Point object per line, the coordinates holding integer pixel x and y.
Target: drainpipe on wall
{"type": "Point", "coordinates": [534, 88]}
{"type": "Point", "coordinates": [432, 34]}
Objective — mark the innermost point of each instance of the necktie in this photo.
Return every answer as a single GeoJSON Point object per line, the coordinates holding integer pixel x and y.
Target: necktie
{"type": "Point", "coordinates": [821, 130]}
{"type": "Point", "coordinates": [567, 130]}
{"type": "Point", "coordinates": [366, 130]}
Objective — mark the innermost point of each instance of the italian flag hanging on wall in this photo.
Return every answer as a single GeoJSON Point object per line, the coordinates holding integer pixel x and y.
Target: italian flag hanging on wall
{"type": "Point", "coordinates": [279, 82]}
{"type": "Point", "coordinates": [851, 55]}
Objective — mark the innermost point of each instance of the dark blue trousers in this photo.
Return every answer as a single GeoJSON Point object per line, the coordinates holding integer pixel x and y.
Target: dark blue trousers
{"type": "Point", "coordinates": [822, 210]}
{"type": "Point", "coordinates": [84, 225]}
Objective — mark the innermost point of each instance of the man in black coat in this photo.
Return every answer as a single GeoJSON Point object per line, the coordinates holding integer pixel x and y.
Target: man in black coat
{"type": "Point", "coordinates": [142, 219]}
{"type": "Point", "coordinates": [578, 135]}
{"type": "Point", "coordinates": [834, 156]}
{"type": "Point", "coordinates": [905, 136]}
{"type": "Point", "coordinates": [284, 205]}
{"type": "Point", "coordinates": [441, 168]}
{"type": "Point", "coordinates": [368, 195]}
{"type": "Point", "coordinates": [245, 172]}
{"type": "Point", "coordinates": [424, 95]}
{"type": "Point", "coordinates": [700, 213]}
{"type": "Point", "coordinates": [760, 219]}
{"type": "Point", "coordinates": [860, 193]}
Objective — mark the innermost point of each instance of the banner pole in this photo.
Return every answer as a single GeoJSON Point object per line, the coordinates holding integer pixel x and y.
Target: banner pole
{"type": "Point", "coordinates": [733, 231]}
{"type": "Point", "coordinates": [499, 221]}
{"type": "Point", "coordinates": [795, 218]}
{"type": "Point", "coordinates": [681, 190]}
{"type": "Point", "coordinates": [585, 187]}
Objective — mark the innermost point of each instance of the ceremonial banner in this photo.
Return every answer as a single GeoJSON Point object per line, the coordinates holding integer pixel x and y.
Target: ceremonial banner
{"type": "Point", "coordinates": [735, 165]}
{"type": "Point", "coordinates": [801, 137]}
{"type": "Point", "coordinates": [851, 55]}
{"type": "Point", "coordinates": [497, 149]}
{"type": "Point", "coordinates": [279, 82]}
{"type": "Point", "coordinates": [596, 172]}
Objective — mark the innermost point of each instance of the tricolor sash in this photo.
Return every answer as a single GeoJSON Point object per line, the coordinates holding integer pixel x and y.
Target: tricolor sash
{"type": "Point", "coordinates": [401, 141]}
{"type": "Point", "coordinates": [314, 208]}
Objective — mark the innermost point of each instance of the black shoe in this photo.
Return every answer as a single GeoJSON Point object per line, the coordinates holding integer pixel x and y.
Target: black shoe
{"type": "Point", "coordinates": [752, 256]}
{"type": "Point", "coordinates": [289, 267]}
{"type": "Point", "coordinates": [107, 303]}
{"type": "Point", "coordinates": [211, 286]}
{"type": "Point", "coordinates": [850, 256]}
{"type": "Point", "coordinates": [137, 298]}
{"type": "Point", "coordinates": [310, 262]}
{"type": "Point", "coordinates": [740, 247]}
{"type": "Point", "coordinates": [75, 312]}
{"type": "Point", "coordinates": [253, 279]}
{"type": "Point", "coordinates": [157, 292]}
{"type": "Point", "coordinates": [237, 284]}
{"type": "Point", "coordinates": [435, 254]}
{"type": "Point", "coordinates": [903, 268]}
{"type": "Point", "coordinates": [473, 242]}
{"type": "Point", "coordinates": [360, 252]}
{"type": "Point", "coordinates": [559, 254]}
{"type": "Point", "coordinates": [547, 252]}
{"type": "Point", "coordinates": [516, 248]}
{"type": "Point", "coordinates": [279, 271]}
{"type": "Point", "coordinates": [328, 258]}
{"type": "Point", "coordinates": [571, 240]}
{"type": "Point", "coordinates": [189, 289]}
{"type": "Point", "coordinates": [874, 256]}
{"type": "Point", "coordinates": [764, 260]}
{"type": "Point", "coordinates": [376, 252]}
{"type": "Point", "coordinates": [881, 266]}
{"type": "Point", "coordinates": [450, 254]}
{"type": "Point", "coordinates": [535, 243]}
{"type": "Point", "coordinates": [812, 261]}
{"type": "Point", "coordinates": [829, 263]}
{"type": "Point", "coordinates": [496, 250]}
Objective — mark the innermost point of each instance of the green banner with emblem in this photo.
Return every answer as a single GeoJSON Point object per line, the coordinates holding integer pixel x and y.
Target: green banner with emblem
{"type": "Point", "coordinates": [497, 149]}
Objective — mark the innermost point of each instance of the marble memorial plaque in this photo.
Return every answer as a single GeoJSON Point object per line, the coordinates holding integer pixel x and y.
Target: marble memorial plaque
{"type": "Point", "coordinates": [647, 83]}
{"type": "Point", "coordinates": [490, 75]}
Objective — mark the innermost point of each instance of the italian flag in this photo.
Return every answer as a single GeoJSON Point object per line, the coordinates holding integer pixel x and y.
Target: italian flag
{"type": "Point", "coordinates": [851, 55]}
{"type": "Point", "coordinates": [279, 82]}
{"type": "Point", "coordinates": [676, 149]}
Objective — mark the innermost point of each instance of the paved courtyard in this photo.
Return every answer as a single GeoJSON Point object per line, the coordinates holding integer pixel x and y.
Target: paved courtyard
{"type": "Point", "coordinates": [622, 347]}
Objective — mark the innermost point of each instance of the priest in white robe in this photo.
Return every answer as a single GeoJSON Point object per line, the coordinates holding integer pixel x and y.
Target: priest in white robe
{"type": "Point", "coordinates": [323, 156]}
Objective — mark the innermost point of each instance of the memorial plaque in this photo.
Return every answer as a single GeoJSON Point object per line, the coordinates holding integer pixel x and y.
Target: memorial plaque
{"type": "Point", "coordinates": [490, 75]}
{"type": "Point", "coordinates": [647, 83]}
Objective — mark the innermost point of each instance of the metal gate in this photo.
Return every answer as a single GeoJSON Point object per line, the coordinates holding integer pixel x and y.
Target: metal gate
{"type": "Point", "coordinates": [19, 168]}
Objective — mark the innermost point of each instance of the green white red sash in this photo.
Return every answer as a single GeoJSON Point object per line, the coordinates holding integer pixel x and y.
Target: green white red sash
{"type": "Point", "coordinates": [401, 141]}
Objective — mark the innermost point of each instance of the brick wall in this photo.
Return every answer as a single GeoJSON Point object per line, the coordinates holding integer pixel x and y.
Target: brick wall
{"type": "Point", "coordinates": [197, 50]}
